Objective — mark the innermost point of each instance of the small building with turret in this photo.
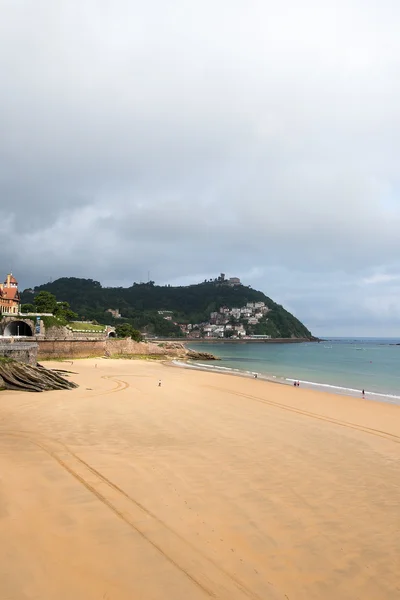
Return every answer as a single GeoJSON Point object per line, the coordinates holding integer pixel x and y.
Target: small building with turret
{"type": "Point", "coordinates": [9, 296]}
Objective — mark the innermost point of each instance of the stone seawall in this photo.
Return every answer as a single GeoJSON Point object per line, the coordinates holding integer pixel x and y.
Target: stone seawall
{"type": "Point", "coordinates": [22, 352]}
{"type": "Point", "coordinates": [106, 347]}
{"type": "Point", "coordinates": [70, 349]}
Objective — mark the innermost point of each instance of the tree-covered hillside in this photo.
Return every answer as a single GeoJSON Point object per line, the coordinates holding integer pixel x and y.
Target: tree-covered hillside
{"type": "Point", "coordinates": [140, 303]}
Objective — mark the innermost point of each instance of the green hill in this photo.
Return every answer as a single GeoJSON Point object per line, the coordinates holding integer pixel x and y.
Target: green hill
{"type": "Point", "coordinates": [140, 303]}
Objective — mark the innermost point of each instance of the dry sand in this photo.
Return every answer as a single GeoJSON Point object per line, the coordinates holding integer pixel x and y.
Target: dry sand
{"type": "Point", "coordinates": [211, 486]}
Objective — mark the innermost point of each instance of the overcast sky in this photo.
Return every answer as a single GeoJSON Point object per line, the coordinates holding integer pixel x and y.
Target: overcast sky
{"type": "Point", "coordinates": [260, 138]}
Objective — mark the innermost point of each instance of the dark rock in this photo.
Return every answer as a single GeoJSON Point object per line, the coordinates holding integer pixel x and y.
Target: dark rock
{"type": "Point", "coordinates": [19, 376]}
{"type": "Point", "coordinates": [200, 355]}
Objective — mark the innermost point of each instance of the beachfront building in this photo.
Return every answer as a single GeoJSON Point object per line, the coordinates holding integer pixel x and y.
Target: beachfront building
{"type": "Point", "coordinates": [9, 296]}
{"type": "Point", "coordinates": [213, 331]}
{"type": "Point", "coordinates": [240, 330]}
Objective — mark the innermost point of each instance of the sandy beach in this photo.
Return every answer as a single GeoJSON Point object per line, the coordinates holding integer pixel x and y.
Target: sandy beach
{"type": "Point", "coordinates": [210, 486]}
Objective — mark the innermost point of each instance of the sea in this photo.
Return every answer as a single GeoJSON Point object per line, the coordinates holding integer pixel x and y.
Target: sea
{"type": "Point", "coordinates": [337, 365]}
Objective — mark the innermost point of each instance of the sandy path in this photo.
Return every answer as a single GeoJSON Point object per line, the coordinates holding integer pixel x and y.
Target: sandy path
{"type": "Point", "coordinates": [208, 487]}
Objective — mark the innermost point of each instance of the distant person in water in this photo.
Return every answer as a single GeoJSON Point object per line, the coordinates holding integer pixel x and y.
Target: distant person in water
{"type": "Point", "coordinates": [255, 375]}
{"type": "Point", "coordinates": [363, 393]}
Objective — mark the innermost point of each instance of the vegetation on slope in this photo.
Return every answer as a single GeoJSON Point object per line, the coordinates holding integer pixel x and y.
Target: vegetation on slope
{"type": "Point", "coordinates": [126, 330]}
{"type": "Point", "coordinates": [140, 303]}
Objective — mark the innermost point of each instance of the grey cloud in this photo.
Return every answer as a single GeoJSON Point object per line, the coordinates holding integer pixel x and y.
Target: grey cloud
{"type": "Point", "coordinates": [261, 139]}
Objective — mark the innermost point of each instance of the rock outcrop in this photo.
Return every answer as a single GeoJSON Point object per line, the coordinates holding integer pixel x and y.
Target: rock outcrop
{"type": "Point", "coordinates": [167, 349]}
{"type": "Point", "coordinates": [193, 355]}
{"type": "Point", "coordinates": [19, 376]}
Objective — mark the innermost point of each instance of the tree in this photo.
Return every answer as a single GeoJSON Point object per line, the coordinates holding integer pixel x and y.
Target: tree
{"type": "Point", "coordinates": [28, 308]}
{"type": "Point", "coordinates": [136, 335]}
{"type": "Point", "coordinates": [123, 331]}
{"type": "Point", "coordinates": [45, 302]}
{"type": "Point", "coordinates": [228, 333]}
{"type": "Point", "coordinates": [126, 330]}
{"type": "Point", "coordinates": [63, 312]}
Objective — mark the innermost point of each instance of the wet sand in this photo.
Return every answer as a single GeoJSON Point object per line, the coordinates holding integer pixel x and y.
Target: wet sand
{"type": "Point", "coordinates": [210, 486]}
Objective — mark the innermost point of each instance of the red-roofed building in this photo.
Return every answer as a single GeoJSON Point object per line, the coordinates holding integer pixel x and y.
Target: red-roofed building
{"type": "Point", "coordinates": [9, 296]}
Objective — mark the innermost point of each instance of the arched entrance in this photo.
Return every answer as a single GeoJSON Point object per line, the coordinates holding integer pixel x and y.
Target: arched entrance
{"type": "Point", "coordinates": [17, 328]}
{"type": "Point", "coordinates": [112, 334]}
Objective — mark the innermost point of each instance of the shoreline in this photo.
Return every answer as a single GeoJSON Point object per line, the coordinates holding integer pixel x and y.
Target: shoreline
{"type": "Point", "coordinates": [334, 390]}
{"type": "Point", "coordinates": [238, 341]}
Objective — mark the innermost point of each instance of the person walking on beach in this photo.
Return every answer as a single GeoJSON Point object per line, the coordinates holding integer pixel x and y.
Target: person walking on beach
{"type": "Point", "coordinates": [159, 383]}
{"type": "Point", "coordinates": [363, 393]}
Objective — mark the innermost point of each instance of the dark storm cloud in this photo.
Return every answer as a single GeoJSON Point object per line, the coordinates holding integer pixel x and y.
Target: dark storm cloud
{"type": "Point", "coordinates": [256, 138]}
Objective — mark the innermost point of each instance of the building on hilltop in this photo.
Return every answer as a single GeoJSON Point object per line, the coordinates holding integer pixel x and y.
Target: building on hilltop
{"type": "Point", "coordinates": [232, 281]}
{"type": "Point", "coordinates": [9, 296]}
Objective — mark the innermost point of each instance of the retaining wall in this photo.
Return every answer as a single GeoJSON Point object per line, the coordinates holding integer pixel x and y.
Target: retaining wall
{"type": "Point", "coordinates": [70, 348]}
{"type": "Point", "coordinates": [105, 347]}
{"type": "Point", "coordinates": [22, 352]}
{"type": "Point", "coordinates": [63, 333]}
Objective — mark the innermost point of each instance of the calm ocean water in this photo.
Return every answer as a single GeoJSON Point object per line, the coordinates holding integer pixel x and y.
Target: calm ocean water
{"type": "Point", "coordinates": [338, 365]}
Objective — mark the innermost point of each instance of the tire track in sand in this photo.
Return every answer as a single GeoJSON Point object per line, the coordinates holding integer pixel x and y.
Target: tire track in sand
{"type": "Point", "coordinates": [377, 432]}
{"type": "Point", "coordinates": [121, 385]}
{"type": "Point", "coordinates": [207, 575]}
